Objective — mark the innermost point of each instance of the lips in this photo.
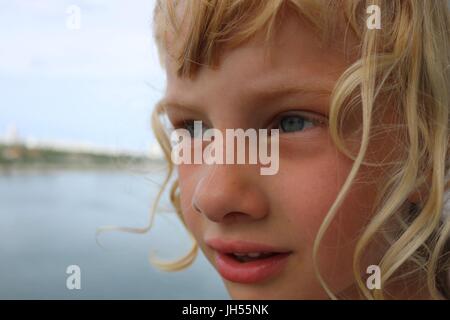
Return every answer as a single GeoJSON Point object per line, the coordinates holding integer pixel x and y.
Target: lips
{"type": "Point", "coordinates": [247, 262]}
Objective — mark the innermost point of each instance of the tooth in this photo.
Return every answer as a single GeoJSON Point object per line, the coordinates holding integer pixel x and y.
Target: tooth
{"type": "Point", "coordinates": [253, 254]}
{"type": "Point", "coordinates": [237, 254]}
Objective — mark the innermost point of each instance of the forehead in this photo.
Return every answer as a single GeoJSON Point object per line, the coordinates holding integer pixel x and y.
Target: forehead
{"type": "Point", "coordinates": [296, 53]}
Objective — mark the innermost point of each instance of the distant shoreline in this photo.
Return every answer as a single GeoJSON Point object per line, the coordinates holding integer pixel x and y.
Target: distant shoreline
{"type": "Point", "coordinates": [20, 158]}
{"type": "Point", "coordinates": [150, 167]}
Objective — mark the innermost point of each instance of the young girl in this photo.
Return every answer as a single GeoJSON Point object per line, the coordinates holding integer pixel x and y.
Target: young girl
{"type": "Point", "coordinates": [359, 93]}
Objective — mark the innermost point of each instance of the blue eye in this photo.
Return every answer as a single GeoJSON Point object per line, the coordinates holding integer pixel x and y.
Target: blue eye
{"type": "Point", "coordinates": [189, 125]}
{"type": "Point", "coordinates": [294, 123]}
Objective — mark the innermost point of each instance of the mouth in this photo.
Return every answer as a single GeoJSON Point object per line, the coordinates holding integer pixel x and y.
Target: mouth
{"type": "Point", "coordinates": [245, 262]}
{"type": "Point", "coordinates": [251, 256]}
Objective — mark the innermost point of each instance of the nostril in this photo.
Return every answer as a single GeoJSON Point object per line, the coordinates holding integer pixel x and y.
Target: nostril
{"type": "Point", "coordinates": [233, 217]}
{"type": "Point", "coordinates": [196, 208]}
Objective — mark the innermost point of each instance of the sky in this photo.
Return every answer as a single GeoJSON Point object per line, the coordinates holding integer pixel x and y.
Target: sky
{"type": "Point", "coordinates": [82, 71]}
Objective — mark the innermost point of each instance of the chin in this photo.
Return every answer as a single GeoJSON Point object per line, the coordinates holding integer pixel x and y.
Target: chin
{"type": "Point", "coordinates": [239, 291]}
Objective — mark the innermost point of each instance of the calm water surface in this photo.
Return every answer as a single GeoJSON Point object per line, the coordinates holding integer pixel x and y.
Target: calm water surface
{"type": "Point", "coordinates": [48, 222]}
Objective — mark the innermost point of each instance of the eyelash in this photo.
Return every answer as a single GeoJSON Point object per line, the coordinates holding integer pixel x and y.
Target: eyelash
{"type": "Point", "coordinates": [315, 120]}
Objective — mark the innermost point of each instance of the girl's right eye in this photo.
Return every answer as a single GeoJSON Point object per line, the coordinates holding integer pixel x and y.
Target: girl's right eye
{"type": "Point", "coordinates": [194, 127]}
{"type": "Point", "coordinates": [189, 126]}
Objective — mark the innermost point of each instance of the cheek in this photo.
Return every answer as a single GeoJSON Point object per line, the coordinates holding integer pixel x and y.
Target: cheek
{"type": "Point", "coordinates": [336, 253]}
{"type": "Point", "coordinates": [307, 203]}
{"type": "Point", "coordinates": [308, 187]}
{"type": "Point", "coordinates": [308, 182]}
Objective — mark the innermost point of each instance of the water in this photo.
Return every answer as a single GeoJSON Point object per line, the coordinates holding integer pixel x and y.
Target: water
{"type": "Point", "coordinates": [48, 222]}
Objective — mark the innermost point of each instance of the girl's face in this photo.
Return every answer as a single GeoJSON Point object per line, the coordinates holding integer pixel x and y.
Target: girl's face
{"type": "Point", "coordinates": [233, 208]}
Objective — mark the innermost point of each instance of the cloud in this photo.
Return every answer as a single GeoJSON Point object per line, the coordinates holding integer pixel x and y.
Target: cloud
{"type": "Point", "coordinates": [115, 38]}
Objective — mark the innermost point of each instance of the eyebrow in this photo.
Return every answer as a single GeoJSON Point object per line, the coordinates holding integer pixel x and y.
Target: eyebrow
{"type": "Point", "coordinates": [261, 93]}
{"type": "Point", "coordinates": [164, 104]}
{"type": "Point", "coordinates": [275, 91]}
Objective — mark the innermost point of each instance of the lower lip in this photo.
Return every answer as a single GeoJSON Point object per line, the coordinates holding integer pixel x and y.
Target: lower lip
{"type": "Point", "coordinates": [249, 272]}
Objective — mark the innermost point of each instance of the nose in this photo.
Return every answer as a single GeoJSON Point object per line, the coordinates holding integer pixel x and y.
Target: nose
{"type": "Point", "coordinates": [228, 192]}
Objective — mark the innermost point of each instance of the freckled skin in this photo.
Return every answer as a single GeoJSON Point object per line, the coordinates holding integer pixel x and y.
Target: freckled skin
{"type": "Point", "coordinates": [286, 209]}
